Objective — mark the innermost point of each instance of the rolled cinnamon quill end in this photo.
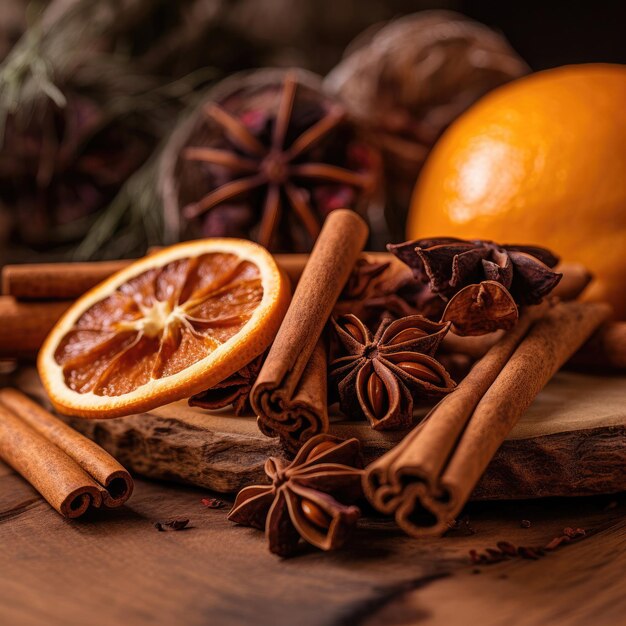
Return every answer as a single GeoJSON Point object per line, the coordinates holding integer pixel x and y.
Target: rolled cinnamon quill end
{"type": "Point", "coordinates": [289, 396]}
{"type": "Point", "coordinates": [427, 479]}
{"type": "Point", "coordinates": [56, 476]}
{"type": "Point", "coordinates": [112, 480]}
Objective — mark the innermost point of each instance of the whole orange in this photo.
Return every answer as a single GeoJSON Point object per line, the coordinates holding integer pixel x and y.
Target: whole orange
{"type": "Point", "coordinates": [541, 160]}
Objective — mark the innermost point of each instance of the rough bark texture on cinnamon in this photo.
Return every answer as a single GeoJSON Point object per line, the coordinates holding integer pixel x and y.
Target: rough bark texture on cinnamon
{"type": "Point", "coordinates": [25, 325]}
{"type": "Point", "coordinates": [289, 396]}
{"type": "Point", "coordinates": [55, 281]}
{"type": "Point", "coordinates": [70, 471]}
{"type": "Point", "coordinates": [428, 477]}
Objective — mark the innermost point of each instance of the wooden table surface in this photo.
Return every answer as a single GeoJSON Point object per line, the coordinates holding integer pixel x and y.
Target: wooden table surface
{"type": "Point", "coordinates": [115, 567]}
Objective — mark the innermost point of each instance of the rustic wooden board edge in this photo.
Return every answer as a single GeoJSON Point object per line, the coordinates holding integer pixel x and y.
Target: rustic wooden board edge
{"type": "Point", "coordinates": [573, 451]}
{"type": "Point", "coordinates": [560, 464]}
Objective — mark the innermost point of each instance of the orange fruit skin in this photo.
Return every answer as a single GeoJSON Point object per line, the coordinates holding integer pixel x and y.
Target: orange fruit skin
{"type": "Point", "coordinates": [541, 160]}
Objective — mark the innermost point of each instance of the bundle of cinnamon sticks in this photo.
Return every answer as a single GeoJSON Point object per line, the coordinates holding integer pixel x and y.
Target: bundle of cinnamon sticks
{"type": "Point", "coordinates": [428, 477]}
{"type": "Point", "coordinates": [70, 471]}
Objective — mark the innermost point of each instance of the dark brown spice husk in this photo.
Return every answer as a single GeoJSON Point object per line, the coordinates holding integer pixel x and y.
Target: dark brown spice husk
{"type": "Point", "coordinates": [213, 503]}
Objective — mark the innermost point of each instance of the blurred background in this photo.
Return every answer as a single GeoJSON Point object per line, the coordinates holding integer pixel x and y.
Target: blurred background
{"type": "Point", "coordinates": [94, 97]}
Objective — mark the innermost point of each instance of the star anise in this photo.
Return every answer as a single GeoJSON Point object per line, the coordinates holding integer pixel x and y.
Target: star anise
{"type": "Point", "coordinates": [448, 265]}
{"type": "Point", "coordinates": [234, 390]}
{"type": "Point", "coordinates": [483, 282]}
{"type": "Point", "coordinates": [381, 375]}
{"type": "Point", "coordinates": [273, 160]}
{"type": "Point", "coordinates": [375, 289]}
{"type": "Point", "coordinates": [310, 498]}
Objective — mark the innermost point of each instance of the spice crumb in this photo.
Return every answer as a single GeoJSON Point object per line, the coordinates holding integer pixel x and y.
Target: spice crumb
{"type": "Point", "coordinates": [172, 524]}
{"type": "Point", "coordinates": [213, 503]}
{"type": "Point", "coordinates": [525, 523]}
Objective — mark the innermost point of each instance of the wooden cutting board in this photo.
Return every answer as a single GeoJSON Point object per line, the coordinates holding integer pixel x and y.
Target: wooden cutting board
{"type": "Point", "coordinates": [570, 442]}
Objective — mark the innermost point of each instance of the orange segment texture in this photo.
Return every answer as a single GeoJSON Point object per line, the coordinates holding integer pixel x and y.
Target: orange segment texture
{"type": "Point", "coordinates": [150, 336]}
{"type": "Point", "coordinates": [159, 323]}
{"type": "Point", "coordinates": [541, 160]}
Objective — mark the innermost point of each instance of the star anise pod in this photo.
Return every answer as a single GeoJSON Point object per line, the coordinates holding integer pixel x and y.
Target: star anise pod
{"type": "Point", "coordinates": [482, 282]}
{"type": "Point", "coordinates": [375, 289]}
{"type": "Point", "coordinates": [382, 374]}
{"type": "Point", "coordinates": [269, 159]}
{"type": "Point", "coordinates": [234, 390]}
{"type": "Point", "coordinates": [448, 265]}
{"type": "Point", "coordinates": [310, 498]}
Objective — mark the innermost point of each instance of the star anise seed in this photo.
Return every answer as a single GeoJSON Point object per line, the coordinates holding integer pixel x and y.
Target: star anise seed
{"type": "Point", "coordinates": [482, 282]}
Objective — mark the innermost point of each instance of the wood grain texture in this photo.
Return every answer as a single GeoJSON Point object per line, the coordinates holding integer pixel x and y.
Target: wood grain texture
{"type": "Point", "coordinates": [578, 586]}
{"type": "Point", "coordinates": [567, 443]}
{"type": "Point", "coordinates": [114, 567]}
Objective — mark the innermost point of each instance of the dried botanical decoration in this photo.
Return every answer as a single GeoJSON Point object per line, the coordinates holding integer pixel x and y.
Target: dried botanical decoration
{"type": "Point", "coordinates": [406, 81]}
{"type": "Point", "coordinates": [235, 390]}
{"type": "Point", "coordinates": [482, 281]}
{"type": "Point", "coordinates": [382, 374]}
{"type": "Point", "coordinates": [59, 165]}
{"type": "Point", "coordinates": [375, 289]}
{"type": "Point", "coordinates": [267, 157]}
{"type": "Point", "coordinates": [310, 498]}
{"type": "Point", "coordinates": [480, 309]}
{"type": "Point", "coordinates": [448, 264]}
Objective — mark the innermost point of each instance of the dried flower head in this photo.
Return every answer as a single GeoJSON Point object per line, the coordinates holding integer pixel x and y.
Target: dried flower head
{"type": "Point", "coordinates": [267, 158]}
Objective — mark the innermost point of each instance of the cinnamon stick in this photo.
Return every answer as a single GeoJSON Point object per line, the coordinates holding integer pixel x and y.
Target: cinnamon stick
{"type": "Point", "coordinates": [114, 482]}
{"type": "Point", "coordinates": [25, 325]}
{"type": "Point", "coordinates": [575, 279]}
{"type": "Point", "coordinates": [428, 477]}
{"type": "Point", "coordinates": [605, 350]}
{"type": "Point", "coordinates": [57, 477]}
{"type": "Point", "coordinates": [68, 281]}
{"type": "Point", "coordinates": [289, 396]}
{"type": "Point", "coordinates": [56, 281]}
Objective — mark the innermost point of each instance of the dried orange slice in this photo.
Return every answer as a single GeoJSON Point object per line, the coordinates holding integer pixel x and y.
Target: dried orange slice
{"type": "Point", "coordinates": [164, 328]}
